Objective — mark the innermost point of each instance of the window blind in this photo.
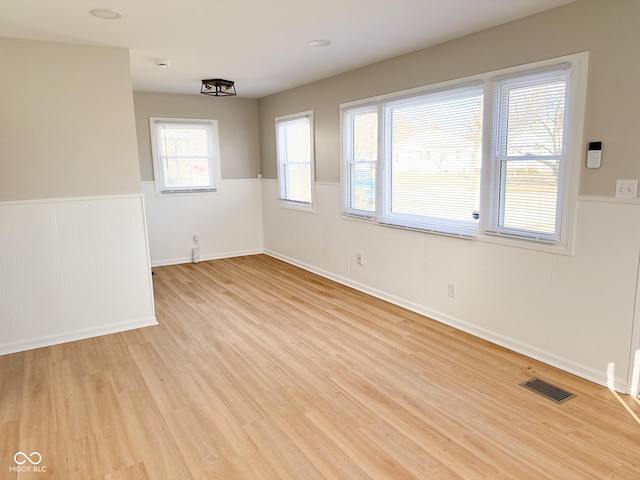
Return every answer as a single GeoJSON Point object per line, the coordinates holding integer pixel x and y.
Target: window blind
{"type": "Point", "coordinates": [360, 143]}
{"type": "Point", "coordinates": [431, 161]}
{"type": "Point", "coordinates": [529, 155]}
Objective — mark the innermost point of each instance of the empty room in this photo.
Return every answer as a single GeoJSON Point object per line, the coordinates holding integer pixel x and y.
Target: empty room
{"type": "Point", "coordinates": [319, 240]}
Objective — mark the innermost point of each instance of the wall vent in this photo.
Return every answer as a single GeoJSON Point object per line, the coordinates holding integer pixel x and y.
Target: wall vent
{"type": "Point", "coordinates": [553, 393]}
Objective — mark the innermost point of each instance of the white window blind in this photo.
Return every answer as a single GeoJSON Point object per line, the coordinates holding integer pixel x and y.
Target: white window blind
{"type": "Point", "coordinates": [432, 158]}
{"type": "Point", "coordinates": [529, 155]}
{"type": "Point", "coordinates": [295, 158]}
{"type": "Point", "coordinates": [360, 143]}
{"type": "Point", "coordinates": [183, 154]}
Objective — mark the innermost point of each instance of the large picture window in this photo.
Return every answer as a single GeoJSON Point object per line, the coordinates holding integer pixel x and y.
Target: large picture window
{"type": "Point", "coordinates": [185, 154]}
{"type": "Point", "coordinates": [294, 143]}
{"type": "Point", "coordinates": [493, 156]}
{"type": "Point", "coordinates": [432, 153]}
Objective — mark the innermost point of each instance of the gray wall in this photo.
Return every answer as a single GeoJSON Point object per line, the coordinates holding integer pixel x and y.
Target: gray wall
{"type": "Point", "coordinates": [237, 128]}
{"type": "Point", "coordinates": [609, 30]}
{"type": "Point", "coordinates": [66, 121]}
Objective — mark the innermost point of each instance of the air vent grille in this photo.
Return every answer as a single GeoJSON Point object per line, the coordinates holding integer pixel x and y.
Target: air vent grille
{"type": "Point", "coordinates": [553, 393]}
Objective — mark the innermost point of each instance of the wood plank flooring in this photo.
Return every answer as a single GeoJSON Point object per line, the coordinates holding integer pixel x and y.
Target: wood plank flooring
{"type": "Point", "coordinates": [260, 370]}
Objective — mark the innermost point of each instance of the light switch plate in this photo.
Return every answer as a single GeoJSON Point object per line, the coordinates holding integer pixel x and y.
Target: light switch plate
{"type": "Point", "coordinates": [626, 188]}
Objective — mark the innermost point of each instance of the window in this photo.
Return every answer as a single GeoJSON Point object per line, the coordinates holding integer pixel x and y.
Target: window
{"type": "Point", "coordinates": [294, 143]}
{"type": "Point", "coordinates": [529, 154]}
{"type": "Point", "coordinates": [493, 156]}
{"type": "Point", "coordinates": [361, 154]}
{"type": "Point", "coordinates": [185, 154]}
{"type": "Point", "coordinates": [432, 153]}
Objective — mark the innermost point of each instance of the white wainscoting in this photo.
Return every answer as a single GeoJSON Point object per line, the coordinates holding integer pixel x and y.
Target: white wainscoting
{"type": "Point", "coordinates": [228, 222]}
{"type": "Point", "coordinates": [71, 269]}
{"type": "Point", "coordinates": [574, 312]}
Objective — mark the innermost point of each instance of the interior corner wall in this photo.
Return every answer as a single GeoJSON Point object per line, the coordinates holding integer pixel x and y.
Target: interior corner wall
{"type": "Point", "coordinates": [228, 222]}
{"type": "Point", "coordinates": [576, 312]}
{"type": "Point", "coordinates": [74, 259]}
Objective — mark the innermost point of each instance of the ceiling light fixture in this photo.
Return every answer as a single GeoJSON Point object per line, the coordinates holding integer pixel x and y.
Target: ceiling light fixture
{"type": "Point", "coordinates": [319, 43]}
{"type": "Point", "coordinates": [105, 14]}
{"type": "Point", "coordinates": [217, 87]}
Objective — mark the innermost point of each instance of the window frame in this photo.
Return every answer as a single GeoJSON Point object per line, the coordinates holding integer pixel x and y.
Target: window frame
{"type": "Point", "coordinates": [574, 121]}
{"type": "Point", "coordinates": [346, 126]}
{"type": "Point", "coordinates": [385, 213]}
{"type": "Point", "coordinates": [500, 158]}
{"type": "Point", "coordinates": [213, 160]}
{"type": "Point", "coordinates": [282, 163]}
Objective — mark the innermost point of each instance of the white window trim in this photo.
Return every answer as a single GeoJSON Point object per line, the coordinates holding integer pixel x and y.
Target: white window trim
{"type": "Point", "coordinates": [292, 204]}
{"type": "Point", "coordinates": [574, 139]}
{"type": "Point", "coordinates": [384, 214]}
{"type": "Point", "coordinates": [347, 194]}
{"type": "Point", "coordinates": [215, 161]}
{"type": "Point", "coordinates": [579, 64]}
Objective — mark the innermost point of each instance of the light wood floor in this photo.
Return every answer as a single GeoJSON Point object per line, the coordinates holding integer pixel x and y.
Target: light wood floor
{"type": "Point", "coordinates": [259, 370]}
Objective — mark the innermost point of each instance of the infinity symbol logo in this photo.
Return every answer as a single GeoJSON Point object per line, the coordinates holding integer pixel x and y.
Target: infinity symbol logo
{"type": "Point", "coordinates": [27, 458]}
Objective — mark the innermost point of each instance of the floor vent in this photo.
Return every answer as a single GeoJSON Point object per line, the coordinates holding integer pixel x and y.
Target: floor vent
{"type": "Point", "coordinates": [553, 393]}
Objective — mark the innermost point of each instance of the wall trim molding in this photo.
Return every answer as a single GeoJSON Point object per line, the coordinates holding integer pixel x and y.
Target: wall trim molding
{"type": "Point", "coordinates": [583, 371]}
{"type": "Point", "coordinates": [70, 199]}
{"type": "Point", "coordinates": [224, 180]}
{"type": "Point", "coordinates": [600, 199]}
{"type": "Point", "coordinates": [77, 335]}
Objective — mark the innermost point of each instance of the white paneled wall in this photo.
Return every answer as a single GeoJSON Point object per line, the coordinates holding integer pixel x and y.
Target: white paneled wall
{"type": "Point", "coordinates": [575, 312]}
{"type": "Point", "coordinates": [228, 222]}
{"type": "Point", "coordinates": [72, 269]}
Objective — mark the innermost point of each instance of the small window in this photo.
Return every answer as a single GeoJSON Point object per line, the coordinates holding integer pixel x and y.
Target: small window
{"type": "Point", "coordinates": [185, 155]}
{"type": "Point", "coordinates": [530, 154]}
{"type": "Point", "coordinates": [361, 155]}
{"type": "Point", "coordinates": [294, 143]}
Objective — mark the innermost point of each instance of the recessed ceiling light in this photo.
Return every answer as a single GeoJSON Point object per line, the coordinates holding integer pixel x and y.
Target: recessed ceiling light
{"type": "Point", "coordinates": [105, 14]}
{"type": "Point", "coordinates": [319, 43]}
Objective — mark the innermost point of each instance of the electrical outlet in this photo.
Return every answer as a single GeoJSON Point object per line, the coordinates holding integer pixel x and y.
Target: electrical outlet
{"type": "Point", "coordinates": [361, 258]}
{"type": "Point", "coordinates": [451, 290]}
{"type": "Point", "coordinates": [626, 188]}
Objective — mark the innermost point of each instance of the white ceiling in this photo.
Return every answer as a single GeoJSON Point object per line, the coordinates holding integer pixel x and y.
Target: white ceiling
{"type": "Point", "coordinates": [260, 44]}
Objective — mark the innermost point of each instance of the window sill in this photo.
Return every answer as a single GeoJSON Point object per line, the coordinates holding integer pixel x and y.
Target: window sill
{"type": "Point", "coordinates": [299, 206]}
{"type": "Point", "coordinates": [547, 247]}
{"type": "Point", "coordinates": [540, 246]}
{"type": "Point", "coordinates": [181, 193]}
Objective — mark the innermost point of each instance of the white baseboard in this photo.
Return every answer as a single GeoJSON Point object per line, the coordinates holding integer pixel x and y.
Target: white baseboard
{"type": "Point", "coordinates": [564, 364]}
{"type": "Point", "coordinates": [77, 335]}
{"type": "Point", "coordinates": [204, 258]}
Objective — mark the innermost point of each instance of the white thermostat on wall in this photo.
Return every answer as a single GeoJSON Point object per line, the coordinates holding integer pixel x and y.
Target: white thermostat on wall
{"type": "Point", "coordinates": [594, 155]}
